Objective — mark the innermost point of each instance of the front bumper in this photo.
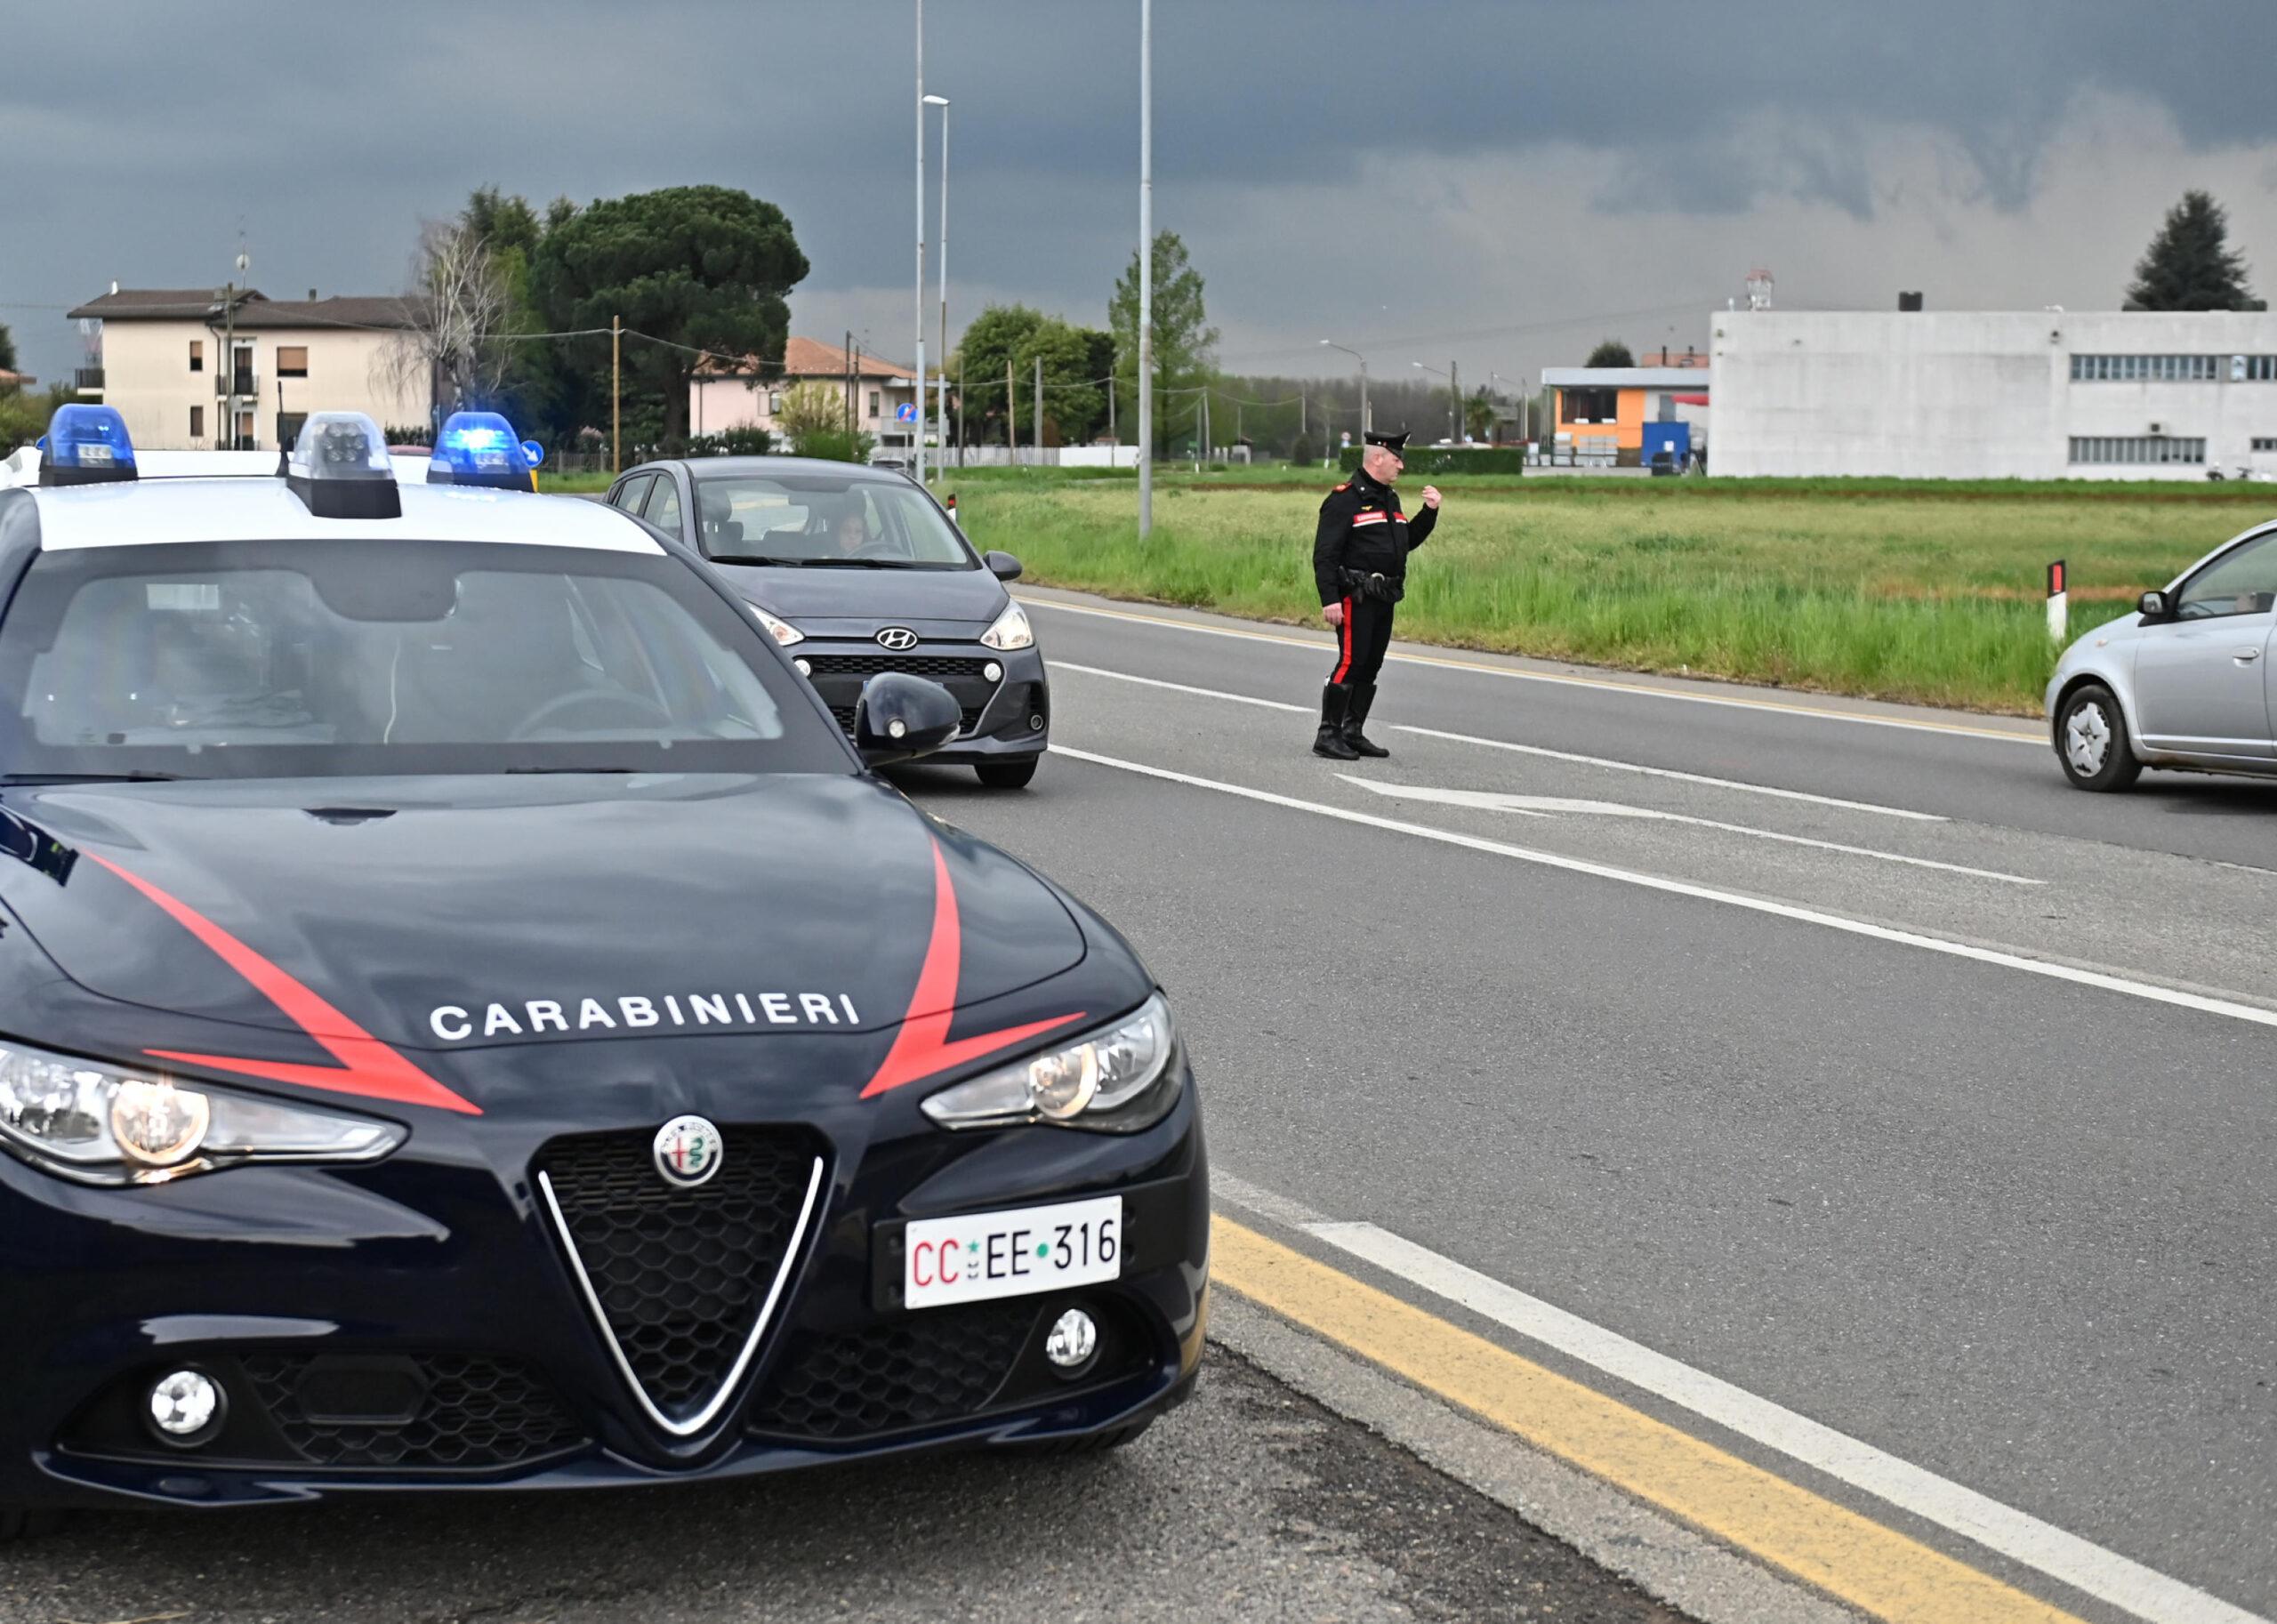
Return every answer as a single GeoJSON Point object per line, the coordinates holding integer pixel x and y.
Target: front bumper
{"type": "Point", "coordinates": [1005, 717]}
{"type": "Point", "coordinates": [418, 1325]}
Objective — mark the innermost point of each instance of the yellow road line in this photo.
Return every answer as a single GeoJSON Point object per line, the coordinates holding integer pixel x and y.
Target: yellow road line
{"type": "Point", "coordinates": [1322, 645]}
{"type": "Point", "coordinates": [1851, 1558]}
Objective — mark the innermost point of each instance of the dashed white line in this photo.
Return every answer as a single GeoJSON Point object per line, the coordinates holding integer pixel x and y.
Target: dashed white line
{"type": "Point", "coordinates": [1550, 806]}
{"type": "Point", "coordinates": [2104, 980]}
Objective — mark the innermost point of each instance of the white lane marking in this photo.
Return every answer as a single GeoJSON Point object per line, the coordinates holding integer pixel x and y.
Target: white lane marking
{"type": "Point", "coordinates": [1549, 806]}
{"type": "Point", "coordinates": [2149, 991]}
{"type": "Point", "coordinates": [1530, 750]}
{"type": "Point", "coordinates": [1667, 772]}
{"type": "Point", "coordinates": [1778, 706]}
{"type": "Point", "coordinates": [2065, 1558]}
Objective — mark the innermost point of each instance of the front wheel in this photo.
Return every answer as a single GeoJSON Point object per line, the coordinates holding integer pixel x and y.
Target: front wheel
{"type": "Point", "coordinates": [1008, 774]}
{"type": "Point", "coordinates": [2091, 741]}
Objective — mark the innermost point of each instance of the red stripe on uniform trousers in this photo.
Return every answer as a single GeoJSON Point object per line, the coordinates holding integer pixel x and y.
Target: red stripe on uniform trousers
{"type": "Point", "coordinates": [1344, 644]}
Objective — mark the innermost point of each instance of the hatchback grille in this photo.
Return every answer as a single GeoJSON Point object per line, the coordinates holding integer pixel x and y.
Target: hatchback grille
{"type": "Point", "coordinates": [939, 1365]}
{"type": "Point", "coordinates": [683, 1280]}
{"type": "Point", "coordinates": [935, 666]}
{"type": "Point", "coordinates": [464, 1411]}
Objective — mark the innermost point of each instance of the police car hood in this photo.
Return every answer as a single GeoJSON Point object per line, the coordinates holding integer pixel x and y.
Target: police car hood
{"type": "Point", "coordinates": [453, 912]}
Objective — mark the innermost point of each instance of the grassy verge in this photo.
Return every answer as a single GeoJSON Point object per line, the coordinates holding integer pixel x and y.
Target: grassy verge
{"type": "Point", "coordinates": [1915, 592]}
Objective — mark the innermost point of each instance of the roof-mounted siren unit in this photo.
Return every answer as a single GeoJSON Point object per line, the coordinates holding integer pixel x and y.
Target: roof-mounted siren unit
{"type": "Point", "coordinates": [479, 448]}
{"type": "Point", "coordinates": [339, 467]}
{"type": "Point", "coordinates": [86, 445]}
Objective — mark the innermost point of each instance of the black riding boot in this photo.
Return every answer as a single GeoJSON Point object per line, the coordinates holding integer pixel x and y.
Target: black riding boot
{"type": "Point", "coordinates": [1364, 695]}
{"type": "Point", "coordinates": [1334, 699]}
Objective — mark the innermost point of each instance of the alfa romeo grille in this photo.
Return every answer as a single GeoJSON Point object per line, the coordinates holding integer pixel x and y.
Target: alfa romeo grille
{"type": "Point", "coordinates": [683, 1281]}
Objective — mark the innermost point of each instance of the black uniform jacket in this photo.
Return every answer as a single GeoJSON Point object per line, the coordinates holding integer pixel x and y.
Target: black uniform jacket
{"type": "Point", "coordinates": [1362, 529]}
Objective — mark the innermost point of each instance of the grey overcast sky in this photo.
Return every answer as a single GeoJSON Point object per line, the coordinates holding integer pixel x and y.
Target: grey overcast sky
{"type": "Point", "coordinates": [1497, 181]}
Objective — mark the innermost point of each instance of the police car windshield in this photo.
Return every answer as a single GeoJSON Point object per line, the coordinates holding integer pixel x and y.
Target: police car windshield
{"type": "Point", "coordinates": [823, 521]}
{"type": "Point", "coordinates": [331, 658]}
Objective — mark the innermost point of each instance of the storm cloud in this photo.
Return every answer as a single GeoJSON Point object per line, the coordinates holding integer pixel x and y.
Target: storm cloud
{"type": "Point", "coordinates": [1502, 183]}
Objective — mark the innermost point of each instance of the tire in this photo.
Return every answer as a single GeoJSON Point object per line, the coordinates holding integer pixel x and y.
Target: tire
{"type": "Point", "coordinates": [2091, 741]}
{"type": "Point", "coordinates": [1009, 775]}
{"type": "Point", "coordinates": [1090, 1444]}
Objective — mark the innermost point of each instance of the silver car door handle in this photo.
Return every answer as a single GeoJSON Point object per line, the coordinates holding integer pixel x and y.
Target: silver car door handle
{"type": "Point", "coordinates": [2247, 656]}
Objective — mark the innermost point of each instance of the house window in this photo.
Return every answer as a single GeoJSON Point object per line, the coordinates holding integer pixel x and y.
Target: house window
{"type": "Point", "coordinates": [2102, 449]}
{"type": "Point", "coordinates": [774, 401]}
{"type": "Point", "coordinates": [1591, 406]}
{"type": "Point", "coordinates": [197, 355]}
{"type": "Point", "coordinates": [2267, 443]}
{"type": "Point", "coordinates": [291, 360]}
{"type": "Point", "coordinates": [873, 403]}
{"type": "Point", "coordinates": [197, 419]}
{"type": "Point", "coordinates": [2147, 368]}
{"type": "Point", "coordinates": [2260, 369]}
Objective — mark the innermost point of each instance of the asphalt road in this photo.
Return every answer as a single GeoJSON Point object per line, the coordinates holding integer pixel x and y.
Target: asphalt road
{"type": "Point", "coordinates": [1968, 1155]}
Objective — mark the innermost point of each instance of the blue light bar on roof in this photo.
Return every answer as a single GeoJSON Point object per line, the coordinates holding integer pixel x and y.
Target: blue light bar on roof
{"type": "Point", "coordinates": [479, 449]}
{"type": "Point", "coordinates": [86, 445]}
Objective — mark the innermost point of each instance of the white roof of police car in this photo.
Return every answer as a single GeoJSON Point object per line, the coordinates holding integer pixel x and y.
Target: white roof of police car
{"type": "Point", "coordinates": [132, 514]}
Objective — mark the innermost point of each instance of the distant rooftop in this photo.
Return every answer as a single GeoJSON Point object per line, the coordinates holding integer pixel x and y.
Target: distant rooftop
{"type": "Point", "coordinates": [1625, 377]}
{"type": "Point", "coordinates": [254, 310]}
{"type": "Point", "coordinates": [810, 357]}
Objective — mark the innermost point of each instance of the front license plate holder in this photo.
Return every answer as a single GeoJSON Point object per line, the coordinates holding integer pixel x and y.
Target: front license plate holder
{"type": "Point", "coordinates": [1021, 1251]}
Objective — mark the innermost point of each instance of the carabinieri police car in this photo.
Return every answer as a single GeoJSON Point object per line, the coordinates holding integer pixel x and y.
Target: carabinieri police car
{"type": "Point", "coordinates": [469, 1016]}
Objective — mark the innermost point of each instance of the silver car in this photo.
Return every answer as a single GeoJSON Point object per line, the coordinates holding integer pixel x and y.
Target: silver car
{"type": "Point", "coordinates": [2184, 682]}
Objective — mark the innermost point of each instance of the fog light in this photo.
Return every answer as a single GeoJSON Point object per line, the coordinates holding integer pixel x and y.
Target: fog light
{"type": "Point", "coordinates": [1035, 721]}
{"type": "Point", "coordinates": [805, 669]}
{"type": "Point", "coordinates": [185, 1406]}
{"type": "Point", "coordinates": [1073, 1340]}
{"type": "Point", "coordinates": [992, 671]}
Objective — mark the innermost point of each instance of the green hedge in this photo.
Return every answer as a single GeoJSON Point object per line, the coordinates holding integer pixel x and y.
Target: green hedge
{"type": "Point", "coordinates": [1452, 459]}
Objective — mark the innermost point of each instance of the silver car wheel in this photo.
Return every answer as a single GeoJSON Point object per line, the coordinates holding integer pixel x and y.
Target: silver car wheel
{"type": "Point", "coordinates": [2087, 740]}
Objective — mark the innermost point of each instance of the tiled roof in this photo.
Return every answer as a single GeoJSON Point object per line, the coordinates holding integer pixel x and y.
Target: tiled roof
{"type": "Point", "coordinates": [253, 312]}
{"type": "Point", "coordinates": [807, 357]}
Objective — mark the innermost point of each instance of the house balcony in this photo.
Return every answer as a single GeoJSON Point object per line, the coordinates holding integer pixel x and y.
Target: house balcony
{"type": "Point", "coordinates": [244, 384]}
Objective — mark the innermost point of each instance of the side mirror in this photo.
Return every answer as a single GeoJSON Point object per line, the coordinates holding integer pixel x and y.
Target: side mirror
{"type": "Point", "coordinates": [2151, 606]}
{"type": "Point", "coordinates": [1003, 565]}
{"type": "Point", "coordinates": [900, 717]}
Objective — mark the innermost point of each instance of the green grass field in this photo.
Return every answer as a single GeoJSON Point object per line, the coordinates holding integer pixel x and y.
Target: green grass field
{"type": "Point", "coordinates": [1923, 592]}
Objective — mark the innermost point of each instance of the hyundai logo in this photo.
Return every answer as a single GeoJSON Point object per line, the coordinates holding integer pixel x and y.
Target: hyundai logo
{"type": "Point", "coordinates": [897, 638]}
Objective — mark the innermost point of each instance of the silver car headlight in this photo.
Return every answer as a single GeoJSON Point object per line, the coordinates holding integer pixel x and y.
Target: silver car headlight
{"type": "Point", "coordinates": [1117, 1078]}
{"type": "Point", "coordinates": [1010, 629]}
{"type": "Point", "coordinates": [782, 631]}
{"type": "Point", "coordinates": [113, 1125]}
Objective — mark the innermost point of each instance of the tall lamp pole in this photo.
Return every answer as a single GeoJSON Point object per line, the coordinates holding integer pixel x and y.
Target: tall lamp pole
{"type": "Point", "coordinates": [1457, 405]}
{"type": "Point", "coordinates": [1145, 268]}
{"type": "Point", "coordinates": [1366, 422]}
{"type": "Point", "coordinates": [918, 428]}
{"type": "Point", "coordinates": [941, 462]}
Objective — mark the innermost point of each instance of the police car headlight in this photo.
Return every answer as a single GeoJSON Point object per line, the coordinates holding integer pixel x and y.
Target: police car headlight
{"type": "Point", "coordinates": [1117, 1079]}
{"type": "Point", "coordinates": [103, 1124]}
{"type": "Point", "coordinates": [782, 631]}
{"type": "Point", "coordinates": [1011, 630]}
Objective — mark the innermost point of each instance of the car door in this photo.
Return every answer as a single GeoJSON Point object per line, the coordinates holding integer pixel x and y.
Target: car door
{"type": "Point", "coordinates": [664, 508]}
{"type": "Point", "coordinates": [630, 492]}
{"type": "Point", "coordinates": [2201, 682]}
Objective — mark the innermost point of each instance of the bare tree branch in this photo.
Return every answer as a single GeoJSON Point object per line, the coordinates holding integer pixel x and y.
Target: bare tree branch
{"type": "Point", "coordinates": [459, 310]}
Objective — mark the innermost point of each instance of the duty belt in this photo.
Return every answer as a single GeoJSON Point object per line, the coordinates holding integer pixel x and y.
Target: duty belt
{"type": "Point", "coordinates": [1373, 584]}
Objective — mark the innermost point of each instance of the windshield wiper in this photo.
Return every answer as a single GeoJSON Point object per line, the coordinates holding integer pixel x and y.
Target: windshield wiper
{"type": "Point", "coordinates": [139, 776]}
{"type": "Point", "coordinates": [596, 770]}
{"type": "Point", "coordinates": [754, 557]}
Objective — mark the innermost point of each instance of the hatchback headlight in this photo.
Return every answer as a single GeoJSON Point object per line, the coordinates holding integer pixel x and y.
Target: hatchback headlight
{"type": "Point", "coordinates": [105, 1124]}
{"type": "Point", "coordinates": [1010, 630]}
{"type": "Point", "coordinates": [1117, 1079]}
{"type": "Point", "coordinates": [782, 631]}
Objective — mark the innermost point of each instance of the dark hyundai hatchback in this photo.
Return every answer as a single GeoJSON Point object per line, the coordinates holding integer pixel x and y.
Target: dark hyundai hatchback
{"type": "Point", "coordinates": [858, 571]}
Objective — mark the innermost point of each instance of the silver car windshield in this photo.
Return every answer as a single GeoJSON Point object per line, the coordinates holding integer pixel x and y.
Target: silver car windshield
{"type": "Point", "coordinates": [825, 521]}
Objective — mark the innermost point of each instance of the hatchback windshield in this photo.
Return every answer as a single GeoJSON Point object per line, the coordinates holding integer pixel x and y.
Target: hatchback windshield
{"type": "Point", "coordinates": [292, 659]}
{"type": "Point", "coordinates": [825, 520]}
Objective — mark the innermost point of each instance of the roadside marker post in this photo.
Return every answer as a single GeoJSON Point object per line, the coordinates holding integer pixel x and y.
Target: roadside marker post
{"type": "Point", "coordinates": [2058, 602]}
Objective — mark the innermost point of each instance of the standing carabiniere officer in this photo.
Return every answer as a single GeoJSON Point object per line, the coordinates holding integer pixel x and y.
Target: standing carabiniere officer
{"type": "Point", "coordinates": [1360, 565]}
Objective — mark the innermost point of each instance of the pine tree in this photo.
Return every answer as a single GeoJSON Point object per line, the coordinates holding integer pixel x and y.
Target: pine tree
{"type": "Point", "coordinates": [2190, 265]}
{"type": "Point", "coordinates": [1610, 352]}
{"type": "Point", "coordinates": [7, 349]}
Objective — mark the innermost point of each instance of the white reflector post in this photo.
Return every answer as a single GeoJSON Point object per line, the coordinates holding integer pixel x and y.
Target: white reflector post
{"type": "Point", "coordinates": [2059, 614]}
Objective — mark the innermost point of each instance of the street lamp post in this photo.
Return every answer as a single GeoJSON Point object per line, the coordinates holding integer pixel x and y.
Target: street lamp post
{"type": "Point", "coordinates": [942, 461]}
{"type": "Point", "coordinates": [1455, 400]}
{"type": "Point", "coordinates": [1145, 268]}
{"type": "Point", "coordinates": [917, 432]}
{"type": "Point", "coordinates": [1366, 422]}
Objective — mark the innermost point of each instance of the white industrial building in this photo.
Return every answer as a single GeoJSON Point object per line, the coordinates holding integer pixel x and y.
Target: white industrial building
{"type": "Point", "coordinates": [1995, 394]}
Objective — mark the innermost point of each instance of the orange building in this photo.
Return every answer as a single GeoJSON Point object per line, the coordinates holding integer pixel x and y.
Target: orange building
{"type": "Point", "coordinates": [1624, 415]}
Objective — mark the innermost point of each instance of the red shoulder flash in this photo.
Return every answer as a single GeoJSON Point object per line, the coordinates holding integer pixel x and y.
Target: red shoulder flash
{"type": "Point", "coordinates": [1340, 488]}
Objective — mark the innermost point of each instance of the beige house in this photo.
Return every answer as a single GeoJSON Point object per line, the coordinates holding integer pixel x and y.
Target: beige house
{"type": "Point", "coordinates": [190, 370]}
{"type": "Point", "coordinates": [724, 396]}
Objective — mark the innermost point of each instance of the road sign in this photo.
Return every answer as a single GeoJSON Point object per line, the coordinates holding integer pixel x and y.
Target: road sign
{"type": "Point", "coordinates": [905, 413]}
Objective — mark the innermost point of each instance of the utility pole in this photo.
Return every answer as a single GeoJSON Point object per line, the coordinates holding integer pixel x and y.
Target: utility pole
{"type": "Point", "coordinates": [1039, 411]}
{"type": "Point", "coordinates": [941, 462]}
{"type": "Point", "coordinates": [1455, 406]}
{"type": "Point", "coordinates": [1110, 434]}
{"type": "Point", "coordinates": [1012, 413]}
{"type": "Point", "coordinates": [1145, 268]}
{"type": "Point", "coordinates": [616, 394]}
{"type": "Point", "coordinates": [918, 428]}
